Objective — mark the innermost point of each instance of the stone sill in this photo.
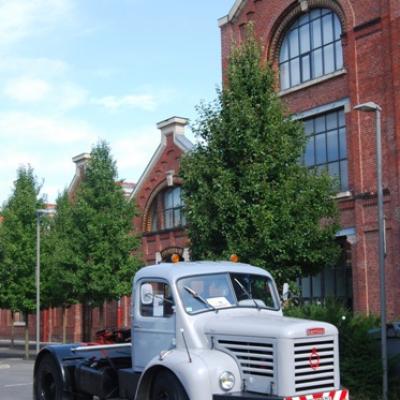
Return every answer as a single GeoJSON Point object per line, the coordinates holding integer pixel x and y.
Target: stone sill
{"type": "Point", "coordinates": [313, 82]}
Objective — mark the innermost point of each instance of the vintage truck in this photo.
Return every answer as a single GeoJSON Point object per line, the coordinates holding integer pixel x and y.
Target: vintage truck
{"type": "Point", "coordinates": [200, 331]}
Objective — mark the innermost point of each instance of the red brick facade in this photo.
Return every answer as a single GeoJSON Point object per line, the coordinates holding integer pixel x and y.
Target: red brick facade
{"type": "Point", "coordinates": [371, 55]}
{"type": "Point", "coordinates": [161, 174]}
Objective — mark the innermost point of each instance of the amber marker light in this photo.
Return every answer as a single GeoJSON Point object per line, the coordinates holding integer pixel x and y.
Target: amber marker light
{"type": "Point", "coordinates": [175, 258]}
{"type": "Point", "coordinates": [234, 258]}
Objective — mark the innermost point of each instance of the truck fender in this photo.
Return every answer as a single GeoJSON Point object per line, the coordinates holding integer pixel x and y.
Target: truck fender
{"type": "Point", "coordinates": [58, 353]}
{"type": "Point", "coordinates": [199, 377]}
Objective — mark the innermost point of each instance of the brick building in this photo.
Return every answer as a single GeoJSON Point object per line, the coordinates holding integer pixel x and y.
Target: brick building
{"type": "Point", "coordinates": [329, 56]}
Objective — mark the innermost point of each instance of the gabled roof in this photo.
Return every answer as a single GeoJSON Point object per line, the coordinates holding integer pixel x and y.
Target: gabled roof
{"type": "Point", "coordinates": [236, 8]}
{"type": "Point", "coordinates": [176, 126]}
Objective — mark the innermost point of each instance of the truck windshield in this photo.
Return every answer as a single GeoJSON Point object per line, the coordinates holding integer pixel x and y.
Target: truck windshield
{"type": "Point", "coordinates": [215, 291]}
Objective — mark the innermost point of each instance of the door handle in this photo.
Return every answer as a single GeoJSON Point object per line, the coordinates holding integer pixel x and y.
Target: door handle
{"type": "Point", "coordinates": [137, 326]}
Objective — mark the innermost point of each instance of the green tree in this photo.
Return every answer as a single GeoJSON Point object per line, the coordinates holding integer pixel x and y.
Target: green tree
{"type": "Point", "coordinates": [18, 243]}
{"type": "Point", "coordinates": [245, 189]}
{"type": "Point", "coordinates": [60, 262]}
{"type": "Point", "coordinates": [102, 239]}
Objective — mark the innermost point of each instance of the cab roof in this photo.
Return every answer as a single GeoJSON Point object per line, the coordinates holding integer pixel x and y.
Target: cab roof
{"type": "Point", "coordinates": [172, 272]}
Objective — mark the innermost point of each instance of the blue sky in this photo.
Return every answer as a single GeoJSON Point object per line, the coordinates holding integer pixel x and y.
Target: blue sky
{"type": "Point", "coordinates": [77, 71]}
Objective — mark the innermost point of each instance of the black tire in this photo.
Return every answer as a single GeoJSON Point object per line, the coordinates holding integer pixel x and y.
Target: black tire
{"type": "Point", "coordinates": [167, 387]}
{"type": "Point", "coordinates": [48, 383]}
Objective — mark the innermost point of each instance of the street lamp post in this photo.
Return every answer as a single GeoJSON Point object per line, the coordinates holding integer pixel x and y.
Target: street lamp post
{"type": "Point", "coordinates": [39, 213]}
{"type": "Point", "coordinates": [373, 107]}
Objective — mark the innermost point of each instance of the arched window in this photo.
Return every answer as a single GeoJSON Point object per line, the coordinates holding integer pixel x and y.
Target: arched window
{"type": "Point", "coordinates": [311, 48]}
{"type": "Point", "coordinates": [166, 211]}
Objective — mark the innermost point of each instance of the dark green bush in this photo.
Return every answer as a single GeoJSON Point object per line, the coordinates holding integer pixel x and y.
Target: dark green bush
{"type": "Point", "coordinates": [360, 356]}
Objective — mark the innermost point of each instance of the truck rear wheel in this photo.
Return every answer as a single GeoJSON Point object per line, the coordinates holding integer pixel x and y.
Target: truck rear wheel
{"type": "Point", "coordinates": [48, 380]}
{"type": "Point", "coordinates": [167, 387]}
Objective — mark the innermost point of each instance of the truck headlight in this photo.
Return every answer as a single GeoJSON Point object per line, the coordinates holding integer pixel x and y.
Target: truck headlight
{"type": "Point", "coordinates": [226, 380]}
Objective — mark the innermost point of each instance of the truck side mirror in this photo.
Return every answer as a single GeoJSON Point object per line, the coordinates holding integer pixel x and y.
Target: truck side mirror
{"type": "Point", "coordinates": [146, 294]}
{"type": "Point", "coordinates": [285, 292]}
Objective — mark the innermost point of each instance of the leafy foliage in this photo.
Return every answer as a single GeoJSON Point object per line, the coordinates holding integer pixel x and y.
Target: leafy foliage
{"type": "Point", "coordinates": [59, 266]}
{"type": "Point", "coordinates": [245, 190]}
{"type": "Point", "coordinates": [18, 244]}
{"type": "Point", "coordinates": [101, 236]}
{"type": "Point", "coordinates": [360, 357]}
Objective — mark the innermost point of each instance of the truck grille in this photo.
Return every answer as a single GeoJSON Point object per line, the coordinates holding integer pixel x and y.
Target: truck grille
{"type": "Point", "coordinates": [314, 365]}
{"type": "Point", "coordinates": [254, 358]}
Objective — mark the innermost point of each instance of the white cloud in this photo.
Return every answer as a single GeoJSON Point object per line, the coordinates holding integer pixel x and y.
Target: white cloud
{"type": "Point", "coordinates": [27, 89]}
{"type": "Point", "coordinates": [22, 18]}
{"type": "Point", "coordinates": [134, 150]}
{"type": "Point", "coordinates": [44, 129]}
{"type": "Point", "coordinates": [145, 102]}
{"type": "Point", "coordinates": [71, 95]}
{"type": "Point", "coordinates": [36, 67]}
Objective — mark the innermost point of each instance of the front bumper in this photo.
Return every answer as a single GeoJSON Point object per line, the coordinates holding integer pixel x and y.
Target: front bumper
{"type": "Point", "coordinates": [333, 395]}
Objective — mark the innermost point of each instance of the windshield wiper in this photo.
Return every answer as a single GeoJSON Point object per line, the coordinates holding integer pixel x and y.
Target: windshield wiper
{"type": "Point", "coordinates": [246, 292]}
{"type": "Point", "coordinates": [198, 297]}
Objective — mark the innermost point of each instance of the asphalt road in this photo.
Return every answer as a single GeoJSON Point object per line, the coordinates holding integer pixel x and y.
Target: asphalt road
{"type": "Point", "coordinates": [15, 375]}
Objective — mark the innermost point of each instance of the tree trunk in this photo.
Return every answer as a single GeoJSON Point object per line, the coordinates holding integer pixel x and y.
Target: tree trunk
{"type": "Point", "coordinates": [64, 324]}
{"type": "Point", "coordinates": [12, 329]}
{"type": "Point", "coordinates": [86, 322]}
{"type": "Point", "coordinates": [101, 316]}
{"type": "Point", "coordinates": [26, 336]}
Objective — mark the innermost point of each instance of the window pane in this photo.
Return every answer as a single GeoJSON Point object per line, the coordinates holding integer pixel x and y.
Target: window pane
{"type": "Point", "coordinates": [320, 148]}
{"type": "Point", "coordinates": [168, 199]}
{"type": "Point", "coordinates": [344, 181]}
{"type": "Point", "coordinates": [342, 143]}
{"type": "Point", "coordinates": [305, 68]}
{"type": "Point", "coordinates": [331, 121]}
{"type": "Point", "coordinates": [320, 124]}
{"type": "Point", "coordinates": [306, 287]}
{"type": "Point", "coordinates": [333, 170]}
{"type": "Point", "coordinates": [341, 118]}
{"type": "Point", "coordinates": [340, 282]}
{"type": "Point", "coordinates": [317, 63]}
{"type": "Point", "coordinates": [154, 218]}
{"type": "Point", "coordinates": [168, 219]}
{"type": "Point", "coordinates": [327, 26]}
{"type": "Point", "coordinates": [295, 71]}
{"type": "Point", "coordinates": [329, 282]}
{"type": "Point", "coordinates": [315, 13]}
{"type": "Point", "coordinates": [177, 217]}
{"type": "Point", "coordinates": [305, 38]}
{"type": "Point", "coordinates": [309, 126]}
{"type": "Point", "coordinates": [339, 55]}
{"type": "Point", "coordinates": [316, 33]}
{"type": "Point", "coordinates": [333, 146]}
{"type": "Point", "coordinates": [177, 197]}
{"type": "Point", "coordinates": [309, 158]}
{"type": "Point", "coordinates": [284, 50]}
{"type": "Point", "coordinates": [329, 58]}
{"type": "Point", "coordinates": [338, 27]}
{"type": "Point", "coordinates": [316, 286]}
{"type": "Point", "coordinates": [294, 43]}
{"type": "Point", "coordinates": [303, 19]}
{"type": "Point", "coordinates": [285, 78]}
{"type": "Point", "coordinates": [325, 11]}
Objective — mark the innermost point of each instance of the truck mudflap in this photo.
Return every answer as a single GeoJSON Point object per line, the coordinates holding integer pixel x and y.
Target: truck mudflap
{"type": "Point", "coordinates": [342, 394]}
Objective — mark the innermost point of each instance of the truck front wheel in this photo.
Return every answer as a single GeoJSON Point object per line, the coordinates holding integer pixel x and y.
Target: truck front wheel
{"type": "Point", "coordinates": [167, 387]}
{"type": "Point", "coordinates": [48, 380]}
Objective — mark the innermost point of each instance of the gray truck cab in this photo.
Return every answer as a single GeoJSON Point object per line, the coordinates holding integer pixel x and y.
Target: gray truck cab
{"type": "Point", "coordinates": [218, 326]}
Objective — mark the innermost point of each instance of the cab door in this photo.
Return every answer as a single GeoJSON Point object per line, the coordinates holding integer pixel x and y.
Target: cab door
{"type": "Point", "coordinates": [154, 321]}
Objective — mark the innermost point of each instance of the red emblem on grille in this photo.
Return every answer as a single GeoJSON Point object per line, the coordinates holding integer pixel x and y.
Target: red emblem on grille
{"type": "Point", "coordinates": [314, 360]}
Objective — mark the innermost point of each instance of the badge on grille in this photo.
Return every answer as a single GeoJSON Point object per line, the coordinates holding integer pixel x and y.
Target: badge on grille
{"type": "Point", "coordinates": [314, 359]}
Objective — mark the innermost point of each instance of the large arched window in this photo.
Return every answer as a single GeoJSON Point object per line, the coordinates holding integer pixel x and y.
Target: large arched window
{"type": "Point", "coordinates": [166, 211]}
{"type": "Point", "coordinates": [311, 48]}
